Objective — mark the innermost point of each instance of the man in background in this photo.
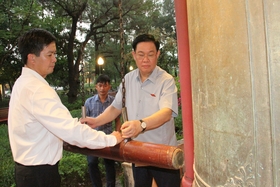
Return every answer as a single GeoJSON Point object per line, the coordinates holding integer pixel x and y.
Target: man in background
{"type": "Point", "coordinates": [95, 105]}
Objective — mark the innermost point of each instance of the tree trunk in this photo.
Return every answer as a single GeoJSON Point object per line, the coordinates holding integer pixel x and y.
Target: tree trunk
{"type": "Point", "coordinates": [73, 78]}
{"type": "Point", "coordinates": [74, 86]}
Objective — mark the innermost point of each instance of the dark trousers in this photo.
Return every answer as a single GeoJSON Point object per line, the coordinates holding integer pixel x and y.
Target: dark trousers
{"type": "Point", "coordinates": [37, 176]}
{"type": "Point", "coordinates": [143, 176]}
{"type": "Point", "coordinates": [95, 174]}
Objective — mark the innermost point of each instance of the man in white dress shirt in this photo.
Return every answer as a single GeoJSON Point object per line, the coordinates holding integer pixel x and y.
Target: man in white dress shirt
{"type": "Point", "coordinates": [38, 121]}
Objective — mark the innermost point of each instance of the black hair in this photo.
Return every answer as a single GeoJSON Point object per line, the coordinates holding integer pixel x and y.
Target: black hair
{"type": "Point", "coordinates": [145, 38]}
{"type": "Point", "coordinates": [103, 79]}
{"type": "Point", "coordinates": [33, 42]}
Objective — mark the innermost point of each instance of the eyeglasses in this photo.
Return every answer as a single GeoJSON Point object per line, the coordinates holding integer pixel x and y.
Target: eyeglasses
{"type": "Point", "coordinates": [142, 56]}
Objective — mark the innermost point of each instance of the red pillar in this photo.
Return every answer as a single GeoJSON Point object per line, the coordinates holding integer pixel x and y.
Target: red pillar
{"type": "Point", "coordinates": [186, 93]}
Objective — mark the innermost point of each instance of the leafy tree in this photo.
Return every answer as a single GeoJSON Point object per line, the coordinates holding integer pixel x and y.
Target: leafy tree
{"type": "Point", "coordinates": [98, 23]}
{"type": "Point", "coordinates": [15, 17]}
{"type": "Point", "coordinates": [84, 30]}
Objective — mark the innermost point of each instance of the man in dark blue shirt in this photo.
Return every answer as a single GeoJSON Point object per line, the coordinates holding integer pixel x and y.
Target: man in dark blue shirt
{"type": "Point", "coordinates": [95, 105]}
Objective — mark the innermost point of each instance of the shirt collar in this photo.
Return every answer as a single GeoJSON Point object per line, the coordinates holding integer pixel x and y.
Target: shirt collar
{"type": "Point", "coordinates": [28, 71]}
{"type": "Point", "coordinates": [96, 98]}
{"type": "Point", "coordinates": [152, 77]}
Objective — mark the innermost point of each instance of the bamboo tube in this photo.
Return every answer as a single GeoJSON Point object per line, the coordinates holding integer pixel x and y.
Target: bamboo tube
{"type": "Point", "coordinates": [141, 153]}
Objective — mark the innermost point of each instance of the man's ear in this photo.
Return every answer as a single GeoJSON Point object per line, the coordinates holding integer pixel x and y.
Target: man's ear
{"type": "Point", "coordinates": [133, 55]}
{"type": "Point", "coordinates": [158, 53]}
{"type": "Point", "coordinates": [30, 58]}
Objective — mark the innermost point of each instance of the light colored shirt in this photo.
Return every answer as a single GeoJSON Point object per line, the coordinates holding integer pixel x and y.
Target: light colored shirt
{"type": "Point", "coordinates": [94, 107]}
{"type": "Point", "coordinates": [144, 99]}
{"type": "Point", "coordinates": [39, 123]}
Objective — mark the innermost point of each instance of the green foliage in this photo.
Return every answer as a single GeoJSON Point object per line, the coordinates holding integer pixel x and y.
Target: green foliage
{"type": "Point", "coordinates": [73, 166]}
{"type": "Point", "coordinates": [71, 106]}
{"type": "Point", "coordinates": [15, 18]}
{"type": "Point", "coordinates": [178, 119]}
{"type": "Point", "coordinates": [177, 82]}
{"type": "Point", "coordinates": [179, 125]}
{"type": "Point", "coordinates": [76, 113]}
{"type": "Point", "coordinates": [7, 163]}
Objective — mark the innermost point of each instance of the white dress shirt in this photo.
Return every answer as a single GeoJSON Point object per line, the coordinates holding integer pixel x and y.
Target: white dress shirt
{"type": "Point", "coordinates": [39, 123]}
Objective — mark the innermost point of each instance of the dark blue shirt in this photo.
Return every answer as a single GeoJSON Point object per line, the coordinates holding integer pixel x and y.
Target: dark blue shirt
{"type": "Point", "coordinates": [94, 107]}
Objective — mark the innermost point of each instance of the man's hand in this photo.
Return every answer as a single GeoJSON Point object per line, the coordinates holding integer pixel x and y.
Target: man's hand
{"type": "Point", "coordinates": [89, 121]}
{"type": "Point", "coordinates": [131, 129]}
{"type": "Point", "coordinates": [118, 136]}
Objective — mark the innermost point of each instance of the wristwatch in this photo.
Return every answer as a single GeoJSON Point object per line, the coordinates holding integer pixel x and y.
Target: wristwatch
{"type": "Point", "coordinates": [143, 125]}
